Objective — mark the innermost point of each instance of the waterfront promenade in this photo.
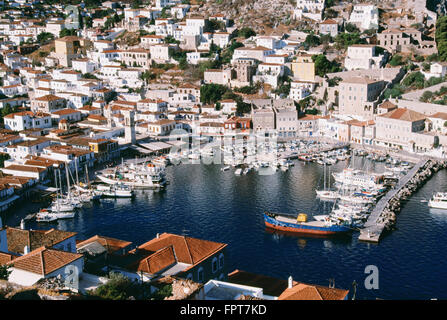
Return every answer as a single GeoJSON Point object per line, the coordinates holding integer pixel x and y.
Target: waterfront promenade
{"type": "Point", "coordinates": [373, 228]}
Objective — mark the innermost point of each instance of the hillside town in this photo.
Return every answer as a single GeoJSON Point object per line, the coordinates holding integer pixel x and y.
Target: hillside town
{"type": "Point", "coordinates": [85, 84]}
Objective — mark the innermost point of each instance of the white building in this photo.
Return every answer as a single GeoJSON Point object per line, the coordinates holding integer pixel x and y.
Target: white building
{"type": "Point", "coordinates": [365, 16]}
{"type": "Point", "coordinates": [44, 263]}
{"type": "Point", "coordinates": [363, 56]}
{"type": "Point", "coordinates": [27, 120]}
{"type": "Point", "coordinates": [312, 9]}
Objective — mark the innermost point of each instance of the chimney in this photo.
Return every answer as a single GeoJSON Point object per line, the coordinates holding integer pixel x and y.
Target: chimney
{"type": "Point", "coordinates": [290, 283]}
{"type": "Point", "coordinates": [25, 250]}
{"type": "Point", "coordinates": [158, 235]}
{"type": "Point", "coordinates": [22, 224]}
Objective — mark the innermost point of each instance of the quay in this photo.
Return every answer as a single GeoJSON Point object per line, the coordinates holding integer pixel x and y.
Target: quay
{"type": "Point", "coordinates": [383, 215]}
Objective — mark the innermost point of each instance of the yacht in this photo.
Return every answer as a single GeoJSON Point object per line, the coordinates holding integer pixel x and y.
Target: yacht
{"type": "Point", "coordinates": [141, 176]}
{"type": "Point", "coordinates": [48, 215]}
{"type": "Point", "coordinates": [438, 201]}
{"type": "Point", "coordinates": [115, 191]}
{"type": "Point", "coordinates": [358, 178]}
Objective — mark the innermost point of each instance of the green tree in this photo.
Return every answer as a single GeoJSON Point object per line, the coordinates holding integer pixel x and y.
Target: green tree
{"type": "Point", "coordinates": [44, 37]}
{"type": "Point", "coordinates": [246, 32]}
{"type": "Point", "coordinates": [414, 79]}
{"type": "Point", "coordinates": [242, 107]}
{"type": "Point", "coordinates": [344, 40]}
{"type": "Point", "coordinates": [67, 32]}
{"type": "Point", "coordinates": [426, 96]}
{"type": "Point", "coordinates": [312, 41]}
{"type": "Point", "coordinates": [324, 66]}
{"type": "Point", "coordinates": [211, 93]}
{"type": "Point", "coordinates": [350, 27]}
{"type": "Point", "coordinates": [5, 271]}
{"type": "Point", "coordinates": [441, 37]}
{"type": "Point", "coordinates": [119, 287]}
{"type": "Point", "coordinates": [397, 60]}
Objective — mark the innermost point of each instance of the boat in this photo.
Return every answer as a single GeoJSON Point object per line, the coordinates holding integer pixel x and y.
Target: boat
{"type": "Point", "coordinates": [226, 168]}
{"type": "Point", "coordinates": [238, 171]}
{"type": "Point", "coordinates": [327, 195]}
{"type": "Point", "coordinates": [358, 178]}
{"type": "Point", "coordinates": [142, 176]}
{"type": "Point", "coordinates": [115, 191]}
{"type": "Point", "coordinates": [47, 215]}
{"type": "Point", "coordinates": [246, 170]}
{"type": "Point", "coordinates": [300, 225]}
{"type": "Point", "coordinates": [438, 201]}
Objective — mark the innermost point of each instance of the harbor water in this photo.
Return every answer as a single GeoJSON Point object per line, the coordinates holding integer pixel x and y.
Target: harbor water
{"type": "Point", "coordinates": [204, 202]}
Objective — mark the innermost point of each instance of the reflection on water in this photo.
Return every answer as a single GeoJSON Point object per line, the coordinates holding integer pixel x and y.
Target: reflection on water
{"type": "Point", "coordinates": [204, 202]}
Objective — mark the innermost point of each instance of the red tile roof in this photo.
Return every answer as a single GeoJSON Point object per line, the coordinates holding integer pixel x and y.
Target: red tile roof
{"type": "Point", "coordinates": [301, 291]}
{"type": "Point", "coordinates": [44, 261]}
{"type": "Point", "coordinates": [187, 250]}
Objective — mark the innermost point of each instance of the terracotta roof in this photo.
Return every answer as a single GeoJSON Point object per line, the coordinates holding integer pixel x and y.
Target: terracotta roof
{"type": "Point", "coordinates": [187, 250]}
{"type": "Point", "coordinates": [18, 238]}
{"type": "Point", "coordinates": [361, 80]}
{"type": "Point", "coordinates": [388, 105]}
{"type": "Point", "coordinates": [301, 291]}
{"type": "Point", "coordinates": [329, 21]}
{"type": "Point", "coordinates": [65, 111]}
{"type": "Point", "coordinates": [44, 261]}
{"type": "Point", "coordinates": [404, 114]}
{"type": "Point", "coordinates": [48, 97]}
{"type": "Point", "coordinates": [24, 168]}
{"type": "Point", "coordinates": [158, 261]}
{"type": "Point", "coordinates": [440, 115]}
{"type": "Point", "coordinates": [112, 245]}
{"type": "Point", "coordinates": [5, 258]}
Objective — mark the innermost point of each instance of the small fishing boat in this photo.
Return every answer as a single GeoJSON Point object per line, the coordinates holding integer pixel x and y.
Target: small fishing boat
{"type": "Point", "coordinates": [238, 171]}
{"type": "Point", "coordinates": [226, 168]}
{"type": "Point", "coordinates": [300, 225]}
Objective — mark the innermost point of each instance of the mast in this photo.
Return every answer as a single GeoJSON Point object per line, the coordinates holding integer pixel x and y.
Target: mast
{"type": "Point", "coordinates": [55, 181]}
{"type": "Point", "coordinates": [76, 168]}
{"type": "Point", "coordinates": [86, 174]}
{"type": "Point", "coordinates": [68, 181]}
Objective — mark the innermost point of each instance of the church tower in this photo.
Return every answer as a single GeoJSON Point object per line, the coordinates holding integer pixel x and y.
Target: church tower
{"type": "Point", "coordinates": [129, 126]}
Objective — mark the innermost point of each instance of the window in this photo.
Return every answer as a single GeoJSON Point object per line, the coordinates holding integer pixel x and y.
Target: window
{"type": "Point", "coordinates": [214, 265]}
{"type": "Point", "coordinates": [200, 275]}
{"type": "Point", "coordinates": [221, 261]}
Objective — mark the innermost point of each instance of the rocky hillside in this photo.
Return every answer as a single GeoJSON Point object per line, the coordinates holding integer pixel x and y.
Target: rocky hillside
{"type": "Point", "coordinates": [261, 15]}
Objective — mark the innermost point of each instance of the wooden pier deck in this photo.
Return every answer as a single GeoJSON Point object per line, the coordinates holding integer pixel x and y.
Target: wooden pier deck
{"type": "Point", "coordinates": [372, 229]}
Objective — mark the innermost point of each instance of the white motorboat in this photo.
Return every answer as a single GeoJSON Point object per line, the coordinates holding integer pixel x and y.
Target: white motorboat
{"type": "Point", "coordinates": [438, 201]}
{"type": "Point", "coordinates": [226, 168]}
{"type": "Point", "coordinates": [115, 191]}
{"type": "Point", "coordinates": [238, 171]}
{"type": "Point", "coordinates": [327, 195]}
{"type": "Point", "coordinates": [135, 176]}
{"type": "Point", "coordinates": [246, 170]}
{"type": "Point", "coordinates": [47, 215]}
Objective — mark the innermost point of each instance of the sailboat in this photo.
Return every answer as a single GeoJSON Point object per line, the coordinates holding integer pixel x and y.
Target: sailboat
{"type": "Point", "coordinates": [326, 194]}
{"type": "Point", "coordinates": [58, 209]}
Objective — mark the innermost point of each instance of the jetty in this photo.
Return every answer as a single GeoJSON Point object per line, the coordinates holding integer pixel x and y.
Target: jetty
{"type": "Point", "coordinates": [383, 215]}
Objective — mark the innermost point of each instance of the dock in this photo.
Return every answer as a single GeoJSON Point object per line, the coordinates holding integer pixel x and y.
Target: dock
{"type": "Point", "coordinates": [373, 229]}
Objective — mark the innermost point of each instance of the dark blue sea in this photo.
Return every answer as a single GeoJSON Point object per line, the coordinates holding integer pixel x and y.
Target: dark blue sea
{"type": "Point", "coordinates": [204, 202]}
